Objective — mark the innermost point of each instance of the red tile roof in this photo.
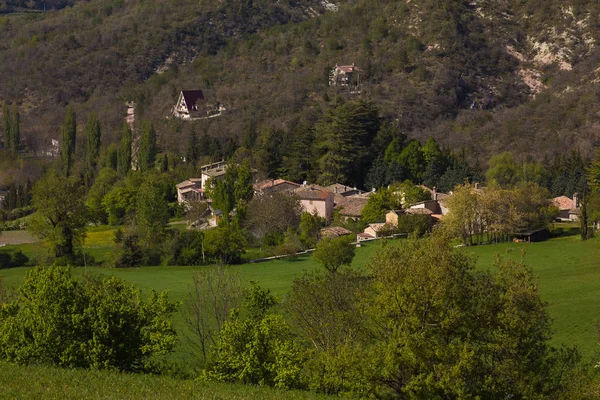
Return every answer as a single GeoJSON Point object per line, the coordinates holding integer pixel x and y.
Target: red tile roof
{"type": "Point", "coordinates": [563, 202]}
{"type": "Point", "coordinates": [352, 206]}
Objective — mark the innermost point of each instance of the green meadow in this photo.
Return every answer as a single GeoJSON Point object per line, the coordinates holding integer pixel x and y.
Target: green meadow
{"type": "Point", "coordinates": [567, 271]}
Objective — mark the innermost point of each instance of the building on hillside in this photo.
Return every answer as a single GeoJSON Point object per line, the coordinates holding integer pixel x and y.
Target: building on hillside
{"type": "Point", "coordinates": [342, 190]}
{"type": "Point", "coordinates": [314, 198]}
{"type": "Point", "coordinates": [189, 105]}
{"type": "Point", "coordinates": [190, 190]}
{"type": "Point", "coordinates": [378, 229]}
{"type": "Point", "coordinates": [212, 171]}
{"type": "Point", "coordinates": [537, 235]}
{"type": "Point", "coordinates": [345, 76]}
{"type": "Point", "coordinates": [568, 207]}
{"type": "Point", "coordinates": [334, 232]}
{"type": "Point", "coordinates": [274, 186]}
{"type": "Point", "coordinates": [351, 208]}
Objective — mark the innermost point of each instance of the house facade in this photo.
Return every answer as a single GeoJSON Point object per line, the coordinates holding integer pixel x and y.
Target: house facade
{"type": "Point", "coordinates": [315, 199]}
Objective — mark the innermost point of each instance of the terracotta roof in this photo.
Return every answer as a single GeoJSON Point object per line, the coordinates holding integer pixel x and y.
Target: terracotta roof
{"type": "Point", "coordinates": [563, 203]}
{"type": "Point", "coordinates": [347, 68]}
{"type": "Point", "coordinates": [334, 231]}
{"type": "Point", "coordinates": [352, 206]}
{"type": "Point", "coordinates": [184, 184]}
{"type": "Point", "coordinates": [313, 194]}
{"type": "Point", "coordinates": [192, 97]}
{"type": "Point", "coordinates": [365, 235]}
{"type": "Point", "coordinates": [418, 211]}
{"type": "Point", "coordinates": [270, 183]}
{"type": "Point", "coordinates": [377, 226]}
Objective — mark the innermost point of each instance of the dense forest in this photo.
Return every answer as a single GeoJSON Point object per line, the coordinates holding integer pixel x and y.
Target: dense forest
{"type": "Point", "coordinates": [482, 76]}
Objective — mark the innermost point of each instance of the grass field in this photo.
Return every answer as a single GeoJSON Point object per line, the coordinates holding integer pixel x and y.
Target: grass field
{"type": "Point", "coordinates": [567, 269]}
{"type": "Point", "coordinates": [36, 382]}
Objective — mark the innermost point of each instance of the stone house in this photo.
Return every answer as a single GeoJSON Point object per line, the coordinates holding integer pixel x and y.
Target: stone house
{"type": "Point", "coordinates": [315, 198]}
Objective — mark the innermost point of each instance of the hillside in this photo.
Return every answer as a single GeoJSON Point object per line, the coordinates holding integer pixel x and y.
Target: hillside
{"type": "Point", "coordinates": [483, 76]}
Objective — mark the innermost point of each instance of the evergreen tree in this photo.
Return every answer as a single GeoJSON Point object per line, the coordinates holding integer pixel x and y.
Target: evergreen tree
{"type": "Point", "coordinates": [124, 154]}
{"type": "Point", "coordinates": [93, 140]}
{"type": "Point", "coordinates": [147, 150]}
{"type": "Point", "coordinates": [7, 127]}
{"type": "Point", "coordinates": [15, 130]}
{"type": "Point", "coordinates": [68, 133]}
{"type": "Point", "coordinates": [193, 152]}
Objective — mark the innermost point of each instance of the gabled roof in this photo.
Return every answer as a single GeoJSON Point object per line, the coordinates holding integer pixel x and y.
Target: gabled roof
{"type": "Point", "coordinates": [418, 211]}
{"type": "Point", "coordinates": [334, 231]}
{"type": "Point", "coordinates": [184, 184]}
{"type": "Point", "coordinates": [347, 68]}
{"type": "Point", "coordinates": [312, 192]}
{"type": "Point", "coordinates": [192, 97]}
{"type": "Point", "coordinates": [563, 203]}
{"type": "Point", "coordinates": [352, 206]}
{"type": "Point", "coordinates": [275, 184]}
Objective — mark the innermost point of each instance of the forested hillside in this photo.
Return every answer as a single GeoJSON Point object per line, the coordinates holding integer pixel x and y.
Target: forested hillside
{"type": "Point", "coordinates": [480, 77]}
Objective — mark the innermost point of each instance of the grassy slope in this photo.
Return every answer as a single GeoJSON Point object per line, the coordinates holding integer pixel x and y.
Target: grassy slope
{"type": "Point", "coordinates": [567, 271]}
{"type": "Point", "coordinates": [36, 382]}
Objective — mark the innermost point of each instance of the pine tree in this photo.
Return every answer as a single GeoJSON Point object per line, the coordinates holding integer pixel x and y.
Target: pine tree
{"type": "Point", "coordinates": [7, 127]}
{"type": "Point", "coordinates": [147, 150]}
{"type": "Point", "coordinates": [93, 134]}
{"type": "Point", "coordinates": [15, 134]}
{"type": "Point", "coordinates": [68, 133]}
{"type": "Point", "coordinates": [192, 149]}
{"type": "Point", "coordinates": [124, 157]}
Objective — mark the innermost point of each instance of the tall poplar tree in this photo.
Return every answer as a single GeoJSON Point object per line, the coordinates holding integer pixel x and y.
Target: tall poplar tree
{"type": "Point", "coordinates": [7, 126]}
{"type": "Point", "coordinates": [93, 134]}
{"type": "Point", "coordinates": [68, 132]}
{"type": "Point", "coordinates": [192, 149]}
{"type": "Point", "coordinates": [124, 155]}
{"type": "Point", "coordinates": [15, 127]}
{"type": "Point", "coordinates": [147, 150]}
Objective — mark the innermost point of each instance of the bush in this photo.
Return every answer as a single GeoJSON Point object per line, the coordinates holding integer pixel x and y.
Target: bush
{"type": "Point", "coordinates": [98, 323]}
{"type": "Point", "coordinates": [13, 259]}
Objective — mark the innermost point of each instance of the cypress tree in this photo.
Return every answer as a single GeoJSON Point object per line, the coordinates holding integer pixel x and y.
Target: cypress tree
{"type": "Point", "coordinates": [68, 132]}
{"type": "Point", "coordinates": [7, 127]}
{"type": "Point", "coordinates": [93, 134]}
{"type": "Point", "coordinates": [192, 149]}
{"type": "Point", "coordinates": [124, 155]}
{"type": "Point", "coordinates": [15, 130]}
{"type": "Point", "coordinates": [147, 150]}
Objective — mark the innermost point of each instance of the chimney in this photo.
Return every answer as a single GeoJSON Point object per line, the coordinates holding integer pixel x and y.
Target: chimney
{"type": "Point", "coordinates": [575, 200]}
{"type": "Point", "coordinates": [272, 182]}
{"type": "Point", "coordinates": [433, 193]}
{"type": "Point", "coordinates": [476, 185]}
{"type": "Point", "coordinates": [335, 189]}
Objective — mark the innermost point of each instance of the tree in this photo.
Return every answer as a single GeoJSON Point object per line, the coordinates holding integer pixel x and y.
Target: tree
{"type": "Point", "coordinates": [379, 204]}
{"type": "Point", "coordinates": [124, 152]}
{"type": "Point", "coordinates": [233, 191]}
{"type": "Point", "coordinates": [503, 170]}
{"type": "Point", "coordinates": [310, 228]}
{"type": "Point", "coordinates": [93, 135]}
{"type": "Point", "coordinates": [68, 134]}
{"type": "Point", "coordinates": [270, 215]}
{"type": "Point", "coordinates": [96, 323]}
{"type": "Point", "coordinates": [147, 151]}
{"type": "Point", "coordinates": [7, 126]}
{"type": "Point", "coordinates": [193, 151]}
{"type": "Point", "coordinates": [15, 130]}
{"type": "Point", "coordinates": [333, 253]}
{"type": "Point", "coordinates": [61, 215]}
{"type": "Point", "coordinates": [345, 133]}
{"type": "Point", "coordinates": [151, 212]}
{"type": "Point", "coordinates": [101, 187]}
{"type": "Point", "coordinates": [212, 297]}
{"type": "Point", "coordinates": [257, 350]}
{"type": "Point", "coordinates": [464, 217]}
{"type": "Point", "coordinates": [224, 244]}
{"type": "Point", "coordinates": [447, 329]}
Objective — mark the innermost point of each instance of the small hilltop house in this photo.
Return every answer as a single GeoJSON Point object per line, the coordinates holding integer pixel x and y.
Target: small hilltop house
{"type": "Point", "coordinates": [345, 76]}
{"type": "Point", "coordinates": [189, 105]}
